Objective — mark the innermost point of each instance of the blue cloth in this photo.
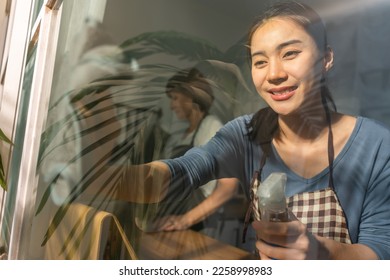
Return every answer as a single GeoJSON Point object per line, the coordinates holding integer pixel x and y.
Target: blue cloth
{"type": "Point", "coordinates": [361, 175]}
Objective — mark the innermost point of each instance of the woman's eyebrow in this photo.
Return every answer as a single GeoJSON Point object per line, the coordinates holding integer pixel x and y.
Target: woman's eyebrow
{"type": "Point", "coordinates": [288, 43]}
{"type": "Point", "coordinates": [279, 47]}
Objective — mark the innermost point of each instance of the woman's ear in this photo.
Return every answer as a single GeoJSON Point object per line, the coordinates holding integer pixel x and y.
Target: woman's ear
{"type": "Point", "coordinates": [328, 59]}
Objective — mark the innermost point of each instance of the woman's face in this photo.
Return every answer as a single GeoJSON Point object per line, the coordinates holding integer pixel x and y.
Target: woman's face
{"type": "Point", "coordinates": [286, 66]}
{"type": "Point", "coordinates": [181, 104]}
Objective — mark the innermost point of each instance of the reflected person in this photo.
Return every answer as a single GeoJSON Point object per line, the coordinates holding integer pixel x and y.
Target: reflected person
{"type": "Point", "coordinates": [191, 97]}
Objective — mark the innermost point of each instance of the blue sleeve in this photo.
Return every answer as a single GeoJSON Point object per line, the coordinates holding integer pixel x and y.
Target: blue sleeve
{"type": "Point", "coordinates": [374, 228]}
{"type": "Point", "coordinates": [219, 158]}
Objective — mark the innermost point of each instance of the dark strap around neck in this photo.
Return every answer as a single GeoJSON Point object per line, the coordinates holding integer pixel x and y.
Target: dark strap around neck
{"type": "Point", "coordinates": [330, 142]}
{"type": "Point", "coordinates": [196, 130]}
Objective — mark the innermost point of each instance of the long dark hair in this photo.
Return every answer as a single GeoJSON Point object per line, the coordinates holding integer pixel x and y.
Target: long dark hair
{"type": "Point", "coordinates": [264, 123]}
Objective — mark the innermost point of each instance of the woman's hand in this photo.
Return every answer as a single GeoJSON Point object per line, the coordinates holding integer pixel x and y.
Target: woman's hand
{"type": "Point", "coordinates": [171, 223]}
{"type": "Point", "coordinates": [225, 190]}
{"type": "Point", "coordinates": [292, 241]}
{"type": "Point", "coordinates": [287, 241]}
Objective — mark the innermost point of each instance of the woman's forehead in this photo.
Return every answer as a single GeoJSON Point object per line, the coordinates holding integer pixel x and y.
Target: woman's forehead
{"type": "Point", "coordinates": [278, 24]}
{"type": "Point", "coordinates": [276, 31]}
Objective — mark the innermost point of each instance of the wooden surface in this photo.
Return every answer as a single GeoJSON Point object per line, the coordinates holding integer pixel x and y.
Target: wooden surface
{"type": "Point", "coordinates": [186, 245]}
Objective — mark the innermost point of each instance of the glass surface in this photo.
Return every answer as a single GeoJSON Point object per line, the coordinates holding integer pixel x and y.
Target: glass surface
{"type": "Point", "coordinates": [37, 8]}
{"type": "Point", "coordinates": [109, 106]}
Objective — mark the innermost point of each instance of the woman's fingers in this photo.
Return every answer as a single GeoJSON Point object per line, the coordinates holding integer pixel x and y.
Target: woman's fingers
{"type": "Point", "coordinates": [289, 240]}
{"type": "Point", "coordinates": [171, 223]}
{"type": "Point", "coordinates": [269, 251]}
{"type": "Point", "coordinates": [281, 234]}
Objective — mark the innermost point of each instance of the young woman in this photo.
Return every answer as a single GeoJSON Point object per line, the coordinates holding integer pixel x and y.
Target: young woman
{"type": "Point", "coordinates": [337, 166]}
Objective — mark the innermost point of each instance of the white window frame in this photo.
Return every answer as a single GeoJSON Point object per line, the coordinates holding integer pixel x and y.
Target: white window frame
{"type": "Point", "coordinates": [22, 40]}
{"type": "Point", "coordinates": [5, 14]}
{"type": "Point", "coordinates": [12, 73]}
{"type": "Point", "coordinates": [45, 36]}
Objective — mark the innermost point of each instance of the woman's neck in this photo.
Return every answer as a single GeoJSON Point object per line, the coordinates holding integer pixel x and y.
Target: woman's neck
{"type": "Point", "coordinates": [194, 120]}
{"type": "Point", "coordinates": [302, 127]}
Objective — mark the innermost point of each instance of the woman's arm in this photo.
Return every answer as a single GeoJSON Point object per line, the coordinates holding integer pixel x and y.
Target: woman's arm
{"type": "Point", "coordinates": [221, 157]}
{"type": "Point", "coordinates": [342, 251]}
{"type": "Point", "coordinates": [224, 191]}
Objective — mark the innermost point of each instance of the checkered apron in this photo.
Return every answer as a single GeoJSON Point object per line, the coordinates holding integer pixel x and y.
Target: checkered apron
{"type": "Point", "coordinates": [321, 212]}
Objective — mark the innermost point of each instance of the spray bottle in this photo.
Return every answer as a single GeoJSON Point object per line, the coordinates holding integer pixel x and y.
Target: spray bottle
{"type": "Point", "coordinates": [272, 200]}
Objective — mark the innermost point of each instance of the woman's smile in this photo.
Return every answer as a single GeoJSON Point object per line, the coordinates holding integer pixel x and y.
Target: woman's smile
{"type": "Point", "coordinates": [282, 93]}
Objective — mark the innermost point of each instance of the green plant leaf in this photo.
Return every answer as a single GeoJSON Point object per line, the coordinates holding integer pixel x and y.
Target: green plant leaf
{"type": "Point", "coordinates": [79, 188]}
{"type": "Point", "coordinates": [181, 45]}
{"type": "Point", "coordinates": [3, 182]}
{"type": "Point", "coordinates": [4, 138]}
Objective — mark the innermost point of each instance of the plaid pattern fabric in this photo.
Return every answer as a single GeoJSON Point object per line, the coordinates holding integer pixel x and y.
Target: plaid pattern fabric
{"type": "Point", "coordinates": [322, 214]}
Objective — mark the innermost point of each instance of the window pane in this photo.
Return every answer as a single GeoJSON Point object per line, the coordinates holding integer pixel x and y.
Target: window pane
{"type": "Point", "coordinates": [37, 8]}
{"type": "Point", "coordinates": [110, 108]}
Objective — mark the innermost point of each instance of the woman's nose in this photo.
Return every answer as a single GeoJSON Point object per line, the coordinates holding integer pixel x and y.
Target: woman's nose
{"type": "Point", "coordinates": [276, 72]}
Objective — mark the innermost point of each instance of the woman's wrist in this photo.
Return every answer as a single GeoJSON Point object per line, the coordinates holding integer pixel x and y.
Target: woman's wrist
{"type": "Point", "coordinates": [188, 219]}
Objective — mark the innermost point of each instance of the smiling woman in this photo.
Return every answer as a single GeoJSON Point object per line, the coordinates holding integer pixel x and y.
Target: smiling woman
{"type": "Point", "coordinates": [301, 134]}
{"type": "Point", "coordinates": [290, 59]}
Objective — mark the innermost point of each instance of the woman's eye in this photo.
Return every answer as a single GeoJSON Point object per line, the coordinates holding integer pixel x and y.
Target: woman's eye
{"type": "Point", "coordinates": [259, 63]}
{"type": "Point", "coordinates": [291, 54]}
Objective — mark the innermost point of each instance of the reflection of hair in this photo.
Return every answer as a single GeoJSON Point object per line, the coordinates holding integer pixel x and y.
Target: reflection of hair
{"type": "Point", "coordinates": [306, 17]}
{"type": "Point", "coordinates": [192, 83]}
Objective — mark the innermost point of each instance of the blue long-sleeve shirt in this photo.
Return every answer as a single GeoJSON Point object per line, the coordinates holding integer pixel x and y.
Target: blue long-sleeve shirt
{"type": "Point", "coordinates": [361, 175]}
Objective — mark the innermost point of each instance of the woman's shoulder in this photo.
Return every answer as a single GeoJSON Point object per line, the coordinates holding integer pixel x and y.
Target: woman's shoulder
{"type": "Point", "coordinates": [237, 122]}
{"type": "Point", "coordinates": [237, 128]}
{"type": "Point", "coordinates": [373, 128]}
{"type": "Point", "coordinates": [371, 134]}
{"type": "Point", "coordinates": [242, 120]}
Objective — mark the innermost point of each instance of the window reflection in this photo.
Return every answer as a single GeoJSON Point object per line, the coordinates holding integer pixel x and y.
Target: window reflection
{"type": "Point", "coordinates": [109, 108]}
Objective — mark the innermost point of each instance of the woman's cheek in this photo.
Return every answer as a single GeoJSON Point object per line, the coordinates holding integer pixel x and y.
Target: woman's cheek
{"type": "Point", "coordinates": [258, 83]}
{"type": "Point", "coordinates": [256, 78]}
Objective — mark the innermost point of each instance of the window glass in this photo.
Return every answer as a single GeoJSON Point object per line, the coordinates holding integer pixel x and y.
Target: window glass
{"type": "Point", "coordinates": [37, 8]}
{"type": "Point", "coordinates": [110, 108]}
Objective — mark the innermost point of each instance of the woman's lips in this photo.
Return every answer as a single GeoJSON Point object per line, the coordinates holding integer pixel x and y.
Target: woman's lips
{"type": "Point", "coordinates": [283, 93]}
